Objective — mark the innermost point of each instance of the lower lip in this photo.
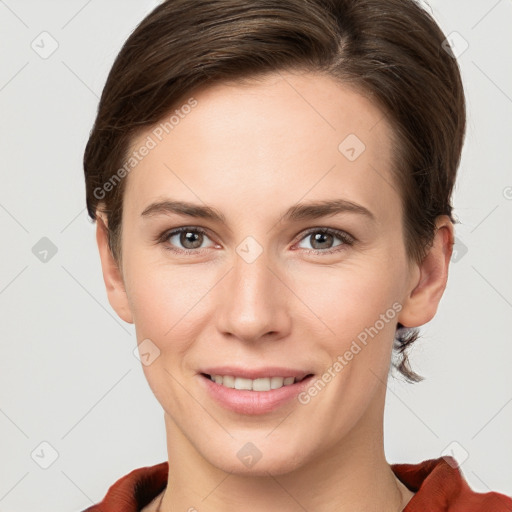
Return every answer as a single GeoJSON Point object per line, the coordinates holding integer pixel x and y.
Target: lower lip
{"type": "Point", "coordinates": [243, 401]}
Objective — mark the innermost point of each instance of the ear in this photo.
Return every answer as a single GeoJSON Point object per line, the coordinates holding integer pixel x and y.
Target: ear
{"type": "Point", "coordinates": [112, 275]}
{"type": "Point", "coordinates": [428, 279]}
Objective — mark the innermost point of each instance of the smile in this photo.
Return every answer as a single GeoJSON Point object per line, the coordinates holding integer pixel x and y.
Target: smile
{"type": "Point", "coordinates": [261, 384]}
{"type": "Point", "coordinates": [259, 395]}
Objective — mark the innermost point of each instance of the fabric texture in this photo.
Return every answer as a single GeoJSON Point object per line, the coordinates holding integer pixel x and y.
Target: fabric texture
{"type": "Point", "coordinates": [438, 483]}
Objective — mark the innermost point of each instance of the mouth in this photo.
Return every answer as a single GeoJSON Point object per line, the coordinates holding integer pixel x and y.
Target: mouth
{"type": "Point", "coordinates": [260, 395]}
{"type": "Point", "coordinates": [261, 384]}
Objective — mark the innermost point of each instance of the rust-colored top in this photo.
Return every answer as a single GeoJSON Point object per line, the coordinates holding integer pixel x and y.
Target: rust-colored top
{"type": "Point", "coordinates": [438, 484]}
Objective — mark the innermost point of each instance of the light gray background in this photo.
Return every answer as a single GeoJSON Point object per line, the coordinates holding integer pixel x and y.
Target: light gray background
{"type": "Point", "coordinates": [68, 376]}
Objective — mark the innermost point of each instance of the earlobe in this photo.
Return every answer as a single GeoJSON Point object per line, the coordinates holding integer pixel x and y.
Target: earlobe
{"type": "Point", "coordinates": [112, 275]}
{"type": "Point", "coordinates": [429, 278]}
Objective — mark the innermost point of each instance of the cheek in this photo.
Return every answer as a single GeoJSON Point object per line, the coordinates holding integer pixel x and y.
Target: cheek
{"type": "Point", "coordinates": [358, 306]}
{"type": "Point", "coordinates": [162, 296]}
{"type": "Point", "coordinates": [350, 297]}
{"type": "Point", "coordinates": [167, 310]}
{"type": "Point", "coordinates": [172, 302]}
{"type": "Point", "coordinates": [171, 306]}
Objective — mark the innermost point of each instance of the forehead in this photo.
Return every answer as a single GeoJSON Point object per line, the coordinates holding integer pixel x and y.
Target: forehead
{"type": "Point", "coordinates": [275, 140]}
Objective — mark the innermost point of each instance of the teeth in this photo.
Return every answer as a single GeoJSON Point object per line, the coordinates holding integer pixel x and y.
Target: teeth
{"type": "Point", "coordinates": [262, 384]}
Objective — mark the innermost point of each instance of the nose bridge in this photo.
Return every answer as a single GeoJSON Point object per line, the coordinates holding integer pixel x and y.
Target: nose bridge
{"type": "Point", "coordinates": [251, 275]}
{"type": "Point", "coordinates": [253, 302]}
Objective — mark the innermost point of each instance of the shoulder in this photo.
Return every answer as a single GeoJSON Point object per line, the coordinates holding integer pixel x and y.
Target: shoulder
{"type": "Point", "coordinates": [134, 491]}
{"type": "Point", "coordinates": [439, 485]}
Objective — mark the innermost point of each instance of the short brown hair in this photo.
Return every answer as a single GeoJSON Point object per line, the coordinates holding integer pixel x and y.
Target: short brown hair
{"type": "Point", "coordinates": [390, 50]}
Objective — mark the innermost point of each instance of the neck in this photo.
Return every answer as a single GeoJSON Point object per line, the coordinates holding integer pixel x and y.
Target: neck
{"type": "Point", "coordinates": [352, 475]}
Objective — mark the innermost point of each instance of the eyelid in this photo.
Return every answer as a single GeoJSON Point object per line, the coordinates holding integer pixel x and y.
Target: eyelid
{"type": "Point", "coordinates": [165, 235]}
{"type": "Point", "coordinates": [340, 233]}
{"type": "Point", "coordinates": [346, 238]}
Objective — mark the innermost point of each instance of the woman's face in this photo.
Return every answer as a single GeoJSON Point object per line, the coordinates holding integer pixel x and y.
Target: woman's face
{"type": "Point", "coordinates": [257, 289]}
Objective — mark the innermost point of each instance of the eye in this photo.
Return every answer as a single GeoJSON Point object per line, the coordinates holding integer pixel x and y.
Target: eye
{"type": "Point", "coordinates": [322, 239]}
{"type": "Point", "coordinates": [190, 239]}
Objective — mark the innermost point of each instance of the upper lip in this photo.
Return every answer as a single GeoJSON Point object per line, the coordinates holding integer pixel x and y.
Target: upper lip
{"type": "Point", "coordinates": [256, 373]}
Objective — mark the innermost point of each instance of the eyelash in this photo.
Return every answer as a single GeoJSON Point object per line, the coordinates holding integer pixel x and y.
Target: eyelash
{"type": "Point", "coordinates": [347, 240]}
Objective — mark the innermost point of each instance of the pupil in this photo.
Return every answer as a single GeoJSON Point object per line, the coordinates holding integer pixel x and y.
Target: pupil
{"type": "Point", "coordinates": [319, 236]}
{"type": "Point", "coordinates": [190, 237]}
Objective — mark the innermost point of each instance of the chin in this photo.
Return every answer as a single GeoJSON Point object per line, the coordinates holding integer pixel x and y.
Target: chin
{"type": "Point", "coordinates": [258, 458]}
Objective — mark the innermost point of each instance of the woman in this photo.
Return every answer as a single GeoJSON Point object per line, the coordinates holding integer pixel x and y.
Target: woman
{"type": "Point", "coordinates": [272, 188]}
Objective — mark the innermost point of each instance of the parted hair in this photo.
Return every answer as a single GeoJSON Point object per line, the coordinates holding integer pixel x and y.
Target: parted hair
{"type": "Point", "coordinates": [392, 51]}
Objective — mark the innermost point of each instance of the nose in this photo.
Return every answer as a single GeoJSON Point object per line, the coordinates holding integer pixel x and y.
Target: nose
{"type": "Point", "coordinates": [254, 300]}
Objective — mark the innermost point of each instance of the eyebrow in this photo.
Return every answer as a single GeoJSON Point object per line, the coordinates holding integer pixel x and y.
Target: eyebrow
{"type": "Point", "coordinates": [298, 212]}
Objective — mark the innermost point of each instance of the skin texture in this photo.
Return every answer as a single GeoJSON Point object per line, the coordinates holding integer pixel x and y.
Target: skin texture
{"type": "Point", "coordinates": [252, 151]}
